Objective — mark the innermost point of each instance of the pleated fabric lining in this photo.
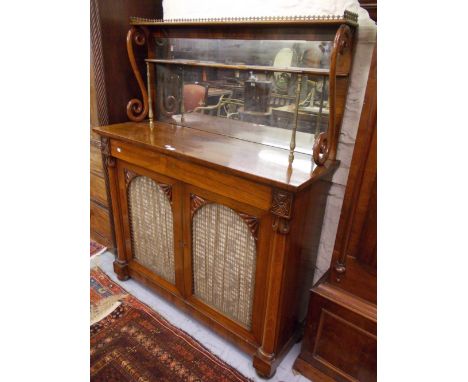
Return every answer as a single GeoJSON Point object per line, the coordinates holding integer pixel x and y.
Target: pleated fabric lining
{"type": "Point", "coordinates": [224, 260]}
{"type": "Point", "coordinates": [151, 227]}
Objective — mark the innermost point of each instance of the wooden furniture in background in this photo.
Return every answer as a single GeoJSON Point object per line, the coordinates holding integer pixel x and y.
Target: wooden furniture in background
{"type": "Point", "coordinates": [112, 85]}
{"type": "Point", "coordinates": [219, 225]}
{"type": "Point", "coordinates": [371, 7]}
{"type": "Point", "coordinates": [340, 341]}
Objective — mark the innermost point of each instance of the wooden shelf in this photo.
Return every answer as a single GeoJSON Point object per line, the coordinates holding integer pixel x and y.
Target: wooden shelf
{"type": "Point", "coordinates": [211, 64]}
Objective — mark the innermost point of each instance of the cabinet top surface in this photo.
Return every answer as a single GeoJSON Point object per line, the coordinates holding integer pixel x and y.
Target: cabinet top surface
{"type": "Point", "coordinates": [255, 161]}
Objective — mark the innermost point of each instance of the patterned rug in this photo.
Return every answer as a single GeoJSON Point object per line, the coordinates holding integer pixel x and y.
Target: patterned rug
{"type": "Point", "coordinates": [96, 248]}
{"type": "Point", "coordinates": [134, 343]}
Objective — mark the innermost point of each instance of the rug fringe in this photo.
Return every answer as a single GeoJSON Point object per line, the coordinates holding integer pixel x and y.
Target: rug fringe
{"type": "Point", "coordinates": [105, 307]}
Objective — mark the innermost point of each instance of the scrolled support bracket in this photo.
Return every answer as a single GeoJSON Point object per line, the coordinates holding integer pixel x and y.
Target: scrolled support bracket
{"type": "Point", "coordinates": [137, 110]}
{"type": "Point", "coordinates": [325, 145]}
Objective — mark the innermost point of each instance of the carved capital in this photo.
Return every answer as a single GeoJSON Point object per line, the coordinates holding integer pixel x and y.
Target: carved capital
{"type": "Point", "coordinates": [281, 203]}
{"type": "Point", "coordinates": [105, 146]}
{"type": "Point", "coordinates": [281, 208]}
{"type": "Point", "coordinates": [110, 161]}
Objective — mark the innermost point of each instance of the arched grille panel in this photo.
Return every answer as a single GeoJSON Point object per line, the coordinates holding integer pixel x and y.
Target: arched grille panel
{"type": "Point", "coordinates": [224, 259]}
{"type": "Point", "coordinates": [151, 227]}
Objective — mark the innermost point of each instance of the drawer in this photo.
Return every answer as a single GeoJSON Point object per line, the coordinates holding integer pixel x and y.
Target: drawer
{"type": "Point", "coordinates": [96, 161]}
{"type": "Point", "coordinates": [230, 186]}
{"type": "Point", "coordinates": [99, 220]}
{"type": "Point", "coordinates": [98, 189]}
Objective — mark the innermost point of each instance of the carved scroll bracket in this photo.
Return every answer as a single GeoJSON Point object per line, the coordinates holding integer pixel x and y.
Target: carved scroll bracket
{"type": "Point", "coordinates": [325, 145]}
{"type": "Point", "coordinates": [136, 109]}
{"type": "Point", "coordinates": [281, 208]}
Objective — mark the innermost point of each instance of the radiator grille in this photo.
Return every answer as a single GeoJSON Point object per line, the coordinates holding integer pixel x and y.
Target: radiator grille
{"type": "Point", "coordinates": [224, 256]}
{"type": "Point", "coordinates": [151, 227]}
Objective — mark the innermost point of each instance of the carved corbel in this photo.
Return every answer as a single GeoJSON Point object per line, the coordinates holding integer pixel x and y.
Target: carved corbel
{"type": "Point", "coordinates": [167, 189]}
{"type": "Point", "coordinates": [136, 109]}
{"type": "Point", "coordinates": [129, 175]}
{"type": "Point", "coordinates": [281, 208]}
{"type": "Point", "coordinates": [252, 222]}
{"type": "Point", "coordinates": [107, 159]}
{"type": "Point", "coordinates": [196, 202]}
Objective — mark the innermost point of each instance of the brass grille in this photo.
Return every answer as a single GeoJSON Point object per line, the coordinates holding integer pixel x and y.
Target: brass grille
{"type": "Point", "coordinates": [224, 256]}
{"type": "Point", "coordinates": [151, 227]}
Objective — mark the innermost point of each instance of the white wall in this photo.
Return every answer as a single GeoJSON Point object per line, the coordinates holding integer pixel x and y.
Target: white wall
{"type": "Point", "coordinates": [358, 80]}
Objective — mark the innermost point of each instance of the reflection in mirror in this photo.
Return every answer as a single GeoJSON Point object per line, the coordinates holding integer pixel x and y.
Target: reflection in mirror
{"type": "Point", "coordinates": [245, 104]}
{"type": "Point", "coordinates": [279, 53]}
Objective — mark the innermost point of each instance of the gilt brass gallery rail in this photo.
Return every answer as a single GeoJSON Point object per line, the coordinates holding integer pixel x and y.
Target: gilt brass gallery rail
{"type": "Point", "coordinates": [348, 17]}
{"type": "Point", "coordinates": [260, 68]}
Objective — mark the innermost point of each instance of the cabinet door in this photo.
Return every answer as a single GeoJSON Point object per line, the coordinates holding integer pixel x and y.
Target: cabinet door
{"type": "Point", "coordinates": [151, 217]}
{"type": "Point", "coordinates": [226, 247]}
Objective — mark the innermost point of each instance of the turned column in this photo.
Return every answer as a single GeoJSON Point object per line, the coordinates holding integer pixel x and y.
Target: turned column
{"type": "Point", "coordinates": [264, 361]}
{"type": "Point", "coordinates": [120, 263]}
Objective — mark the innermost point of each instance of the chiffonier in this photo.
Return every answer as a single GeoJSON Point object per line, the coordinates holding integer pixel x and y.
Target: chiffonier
{"type": "Point", "coordinates": [218, 182]}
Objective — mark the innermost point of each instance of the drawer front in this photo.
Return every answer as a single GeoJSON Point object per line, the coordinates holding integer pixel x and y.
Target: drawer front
{"type": "Point", "coordinates": [99, 219]}
{"type": "Point", "coordinates": [227, 185]}
{"type": "Point", "coordinates": [98, 189]}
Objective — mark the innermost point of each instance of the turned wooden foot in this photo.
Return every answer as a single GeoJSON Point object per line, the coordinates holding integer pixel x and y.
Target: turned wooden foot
{"type": "Point", "coordinates": [121, 269]}
{"type": "Point", "coordinates": [264, 364]}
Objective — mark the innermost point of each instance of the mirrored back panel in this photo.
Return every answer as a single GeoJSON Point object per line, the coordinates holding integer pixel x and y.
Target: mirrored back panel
{"type": "Point", "coordinates": [278, 53]}
{"type": "Point", "coordinates": [254, 90]}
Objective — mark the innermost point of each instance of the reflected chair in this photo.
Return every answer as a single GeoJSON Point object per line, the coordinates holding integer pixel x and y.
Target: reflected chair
{"type": "Point", "coordinates": [194, 97]}
{"type": "Point", "coordinates": [215, 109]}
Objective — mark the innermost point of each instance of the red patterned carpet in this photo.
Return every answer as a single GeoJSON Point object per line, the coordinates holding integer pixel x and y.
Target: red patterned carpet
{"type": "Point", "coordinates": [134, 343]}
{"type": "Point", "coordinates": [96, 248]}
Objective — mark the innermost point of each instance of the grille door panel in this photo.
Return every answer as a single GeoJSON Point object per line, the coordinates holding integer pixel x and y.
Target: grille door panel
{"type": "Point", "coordinates": [224, 262]}
{"type": "Point", "coordinates": [151, 227]}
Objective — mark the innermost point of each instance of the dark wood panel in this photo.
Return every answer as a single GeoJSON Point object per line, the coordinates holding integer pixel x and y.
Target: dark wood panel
{"type": "Point", "coordinates": [96, 161]}
{"type": "Point", "coordinates": [115, 84]}
{"type": "Point", "coordinates": [100, 220]}
{"type": "Point", "coordinates": [371, 7]}
{"type": "Point", "coordinates": [101, 239]}
{"type": "Point", "coordinates": [346, 270]}
{"type": "Point", "coordinates": [98, 189]}
{"type": "Point", "coordinates": [340, 339]}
